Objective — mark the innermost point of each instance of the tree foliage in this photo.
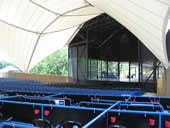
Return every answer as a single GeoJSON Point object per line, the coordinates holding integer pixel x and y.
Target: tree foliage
{"type": "Point", "coordinates": [54, 64]}
{"type": "Point", "coordinates": [4, 64]}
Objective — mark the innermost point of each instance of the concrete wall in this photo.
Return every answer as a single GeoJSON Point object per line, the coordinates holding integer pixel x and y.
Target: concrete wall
{"type": "Point", "coordinates": [167, 82]}
{"type": "Point", "coordinates": [163, 85]}
{"type": "Point", "coordinates": [42, 78]}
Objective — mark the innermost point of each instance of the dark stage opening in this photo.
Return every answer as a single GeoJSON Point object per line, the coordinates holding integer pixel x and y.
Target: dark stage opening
{"type": "Point", "coordinates": [104, 51]}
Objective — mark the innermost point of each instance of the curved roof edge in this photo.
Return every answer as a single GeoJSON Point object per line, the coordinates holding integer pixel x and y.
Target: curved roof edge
{"type": "Point", "coordinates": [138, 17]}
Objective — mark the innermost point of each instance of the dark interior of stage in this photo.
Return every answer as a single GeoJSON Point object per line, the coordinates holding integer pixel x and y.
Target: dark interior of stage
{"type": "Point", "coordinates": [105, 53]}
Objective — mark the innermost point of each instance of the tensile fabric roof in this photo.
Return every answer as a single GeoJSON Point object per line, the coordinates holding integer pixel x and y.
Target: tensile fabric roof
{"type": "Point", "coordinates": [32, 29]}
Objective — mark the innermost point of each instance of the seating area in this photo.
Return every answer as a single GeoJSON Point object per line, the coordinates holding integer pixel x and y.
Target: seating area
{"type": "Point", "coordinates": [29, 86]}
{"type": "Point", "coordinates": [31, 104]}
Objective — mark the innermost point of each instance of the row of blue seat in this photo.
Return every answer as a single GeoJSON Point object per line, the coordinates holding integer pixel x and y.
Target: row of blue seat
{"type": "Point", "coordinates": [86, 108]}
{"type": "Point", "coordinates": [17, 85]}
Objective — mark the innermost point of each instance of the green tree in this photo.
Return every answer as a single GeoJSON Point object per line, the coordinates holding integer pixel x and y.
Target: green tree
{"type": "Point", "coordinates": [4, 64]}
{"type": "Point", "coordinates": [54, 64]}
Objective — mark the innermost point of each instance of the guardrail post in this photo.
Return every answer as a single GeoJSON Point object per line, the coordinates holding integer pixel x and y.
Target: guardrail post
{"type": "Point", "coordinates": [42, 112]}
{"type": "Point", "coordinates": [160, 121]}
{"type": "Point", "coordinates": [101, 114]}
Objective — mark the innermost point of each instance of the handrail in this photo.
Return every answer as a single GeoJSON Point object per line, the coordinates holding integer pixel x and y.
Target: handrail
{"type": "Point", "coordinates": [100, 115]}
{"type": "Point", "coordinates": [16, 124]}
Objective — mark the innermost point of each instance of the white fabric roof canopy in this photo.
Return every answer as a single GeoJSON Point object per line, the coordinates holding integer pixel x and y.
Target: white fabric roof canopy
{"type": "Point", "coordinates": [32, 29]}
{"type": "Point", "coordinates": [147, 19]}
